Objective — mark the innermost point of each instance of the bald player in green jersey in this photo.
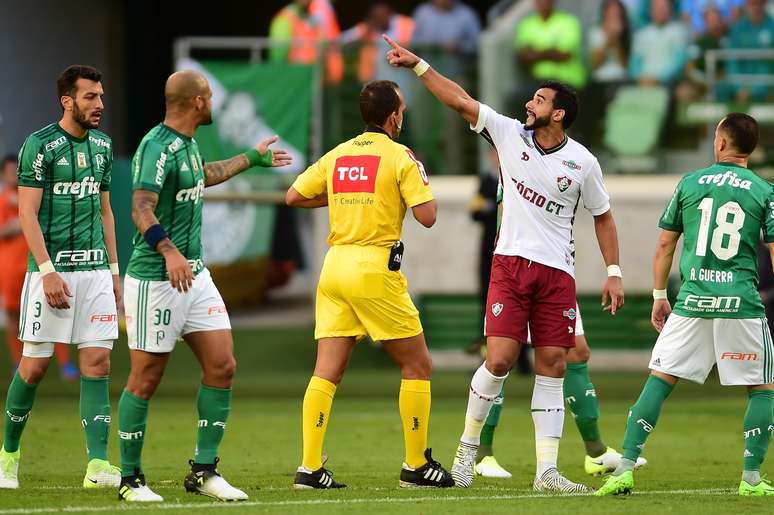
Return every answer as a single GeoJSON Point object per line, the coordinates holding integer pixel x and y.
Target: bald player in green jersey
{"type": "Point", "coordinates": [718, 317]}
{"type": "Point", "coordinates": [72, 285]}
{"type": "Point", "coordinates": [169, 292]}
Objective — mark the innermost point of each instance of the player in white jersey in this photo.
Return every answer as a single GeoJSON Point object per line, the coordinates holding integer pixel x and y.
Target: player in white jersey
{"type": "Point", "coordinates": [545, 175]}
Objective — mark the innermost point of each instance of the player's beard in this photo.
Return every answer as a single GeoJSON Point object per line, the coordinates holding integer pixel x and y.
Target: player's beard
{"type": "Point", "coordinates": [82, 119]}
{"type": "Point", "coordinates": [538, 123]}
{"type": "Point", "coordinates": [206, 118]}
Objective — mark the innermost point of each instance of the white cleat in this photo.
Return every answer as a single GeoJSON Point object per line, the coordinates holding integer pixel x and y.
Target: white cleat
{"type": "Point", "coordinates": [488, 467]}
{"type": "Point", "coordinates": [463, 468]}
{"type": "Point", "coordinates": [9, 469]}
{"type": "Point", "coordinates": [134, 489]}
{"type": "Point", "coordinates": [101, 474]}
{"type": "Point", "coordinates": [553, 481]}
{"type": "Point", "coordinates": [209, 482]}
{"type": "Point", "coordinates": [607, 463]}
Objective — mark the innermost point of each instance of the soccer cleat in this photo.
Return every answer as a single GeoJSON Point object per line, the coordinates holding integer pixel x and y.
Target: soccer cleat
{"type": "Point", "coordinates": [553, 481]}
{"type": "Point", "coordinates": [616, 485]}
{"type": "Point", "coordinates": [9, 469]}
{"type": "Point", "coordinates": [463, 467]}
{"type": "Point", "coordinates": [488, 467]}
{"type": "Point", "coordinates": [607, 463]}
{"type": "Point", "coordinates": [101, 474]}
{"type": "Point", "coordinates": [318, 479]}
{"type": "Point", "coordinates": [134, 489]}
{"type": "Point", "coordinates": [206, 480]}
{"type": "Point", "coordinates": [761, 489]}
{"type": "Point", "coordinates": [431, 474]}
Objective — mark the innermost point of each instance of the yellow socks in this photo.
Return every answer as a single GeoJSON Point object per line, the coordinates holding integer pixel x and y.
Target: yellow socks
{"type": "Point", "coordinates": [414, 404]}
{"type": "Point", "coordinates": [316, 412]}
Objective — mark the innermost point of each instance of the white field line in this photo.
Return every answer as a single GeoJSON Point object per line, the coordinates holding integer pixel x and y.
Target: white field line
{"type": "Point", "coordinates": [319, 502]}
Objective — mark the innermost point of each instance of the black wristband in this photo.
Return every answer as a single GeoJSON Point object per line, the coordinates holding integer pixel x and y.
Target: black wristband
{"type": "Point", "coordinates": [154, 234]}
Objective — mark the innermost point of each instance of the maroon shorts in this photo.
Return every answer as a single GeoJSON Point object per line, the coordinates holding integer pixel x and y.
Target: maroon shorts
{"type": "Point", "coordinates": [524, 294]}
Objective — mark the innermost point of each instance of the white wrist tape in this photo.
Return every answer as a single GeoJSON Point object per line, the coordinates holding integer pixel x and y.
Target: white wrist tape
{"type": "Point", "coordinates": [659, 294]}
{"type": "Point", "coordinates": [421, 67]}
{"type": "Point", "coordinates": [114, 269]}
{"type": "Point", "coordinates": [46, 268]}
{"type": "Point", "coordinates": [614, 271]}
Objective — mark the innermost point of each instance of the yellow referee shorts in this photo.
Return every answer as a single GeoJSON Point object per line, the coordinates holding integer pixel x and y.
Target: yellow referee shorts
{"type": "Point", "coordinates": [357, 295]}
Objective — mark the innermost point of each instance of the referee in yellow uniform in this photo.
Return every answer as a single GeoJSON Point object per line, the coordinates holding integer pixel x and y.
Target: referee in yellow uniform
{"type": "Point", "coordinates": [367, 184]}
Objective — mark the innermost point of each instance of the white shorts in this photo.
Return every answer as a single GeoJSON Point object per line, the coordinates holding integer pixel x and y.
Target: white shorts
{"type": "Point", "coordinates": [578, 325]}
{"type": "Point", "coordinates": [46, 350]}
{"type": "Point", "coordinates": [157, 314]}
{"type": "Point", "coordinates": [741, 348]}
{"type": "Point", "coordinates": [91, 317]}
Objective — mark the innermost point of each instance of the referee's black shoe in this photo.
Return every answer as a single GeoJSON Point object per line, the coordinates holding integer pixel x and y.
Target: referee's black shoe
{"type": "Point", "coordinates": [431, 474]}
{"type": "Point", "coordinates": [321, 478]}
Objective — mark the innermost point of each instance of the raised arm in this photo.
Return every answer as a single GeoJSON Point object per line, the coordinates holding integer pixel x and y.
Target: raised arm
{"type": "Point", "coordinates": [662, 264]}
{"type": "Point", "coordinates": [447, 91]}
{"type": "Point", "coordinates": [607, 237]}
{"type": "Point", "coordinates": [220, 171]}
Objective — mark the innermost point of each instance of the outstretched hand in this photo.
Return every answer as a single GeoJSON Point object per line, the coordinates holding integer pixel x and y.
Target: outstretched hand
{"type": "Point", "coordinates": [398, 56]}
{"type": "Point", "coordinates": [279, 157]}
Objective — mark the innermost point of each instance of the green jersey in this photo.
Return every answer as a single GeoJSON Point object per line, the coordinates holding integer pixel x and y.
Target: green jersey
{"type": "Point", "coordinates": [169, 164]}
{"type": "Point", "coordinates": [721, 211]}
{"type": "Point", "coordinates": [71, 172]}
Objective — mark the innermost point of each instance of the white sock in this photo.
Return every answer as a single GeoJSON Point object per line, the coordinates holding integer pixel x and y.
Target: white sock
{"type": "Point", "coordinates": [548, 417]}
{"type": "Point", "coordinates": [484, 388]}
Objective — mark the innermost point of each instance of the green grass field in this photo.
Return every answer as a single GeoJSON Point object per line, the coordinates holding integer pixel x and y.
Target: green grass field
{"type": "Point", "coordinates": [695, 453]}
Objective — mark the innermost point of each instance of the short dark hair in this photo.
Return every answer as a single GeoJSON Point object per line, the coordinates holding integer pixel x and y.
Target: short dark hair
{"type": "Point", "coordinates": [8, 158]}
{"type": "Point", "coordinates": [565, 98]}
{"type": "Point", "coordinates": [65, 83]}
{"type": "Point", "coordinates": [742, 129]}
{"type": "Point", "coordinates": [378, 100]}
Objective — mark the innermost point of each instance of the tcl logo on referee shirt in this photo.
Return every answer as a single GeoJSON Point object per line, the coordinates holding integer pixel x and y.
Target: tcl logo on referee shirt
{"type": "Point", "coordinates": [355, 174]}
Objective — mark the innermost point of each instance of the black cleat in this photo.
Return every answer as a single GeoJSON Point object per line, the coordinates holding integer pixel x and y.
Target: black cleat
{"type": "Point", "coordinates": [320, 478]}
{"type": "Point", "coordinates": [431, 474]}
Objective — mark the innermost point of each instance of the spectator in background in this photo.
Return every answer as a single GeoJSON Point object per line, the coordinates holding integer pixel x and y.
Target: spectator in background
{"type": "Point", "coordinates": [446, 31]}
{"type": "Point", "coordinates": [755, 29]}
{"type": "Point", "coordinates": [660, 49]}
{"type": "Point", "coordinates": [13, 268]}
{"type": "Point", "coordinates": [610, 44]}
{"type": "Point", "coordinates": [638, 11]}
{"type": "Point", "coordinates": [694, 12]}
{"type": "Point", "coordinates": [549, 46]}
{"type": "Point", "coordinates": [371, 65]}
{"type": "Point", "coordinates": [714, 37]}
{"type": "Point", "coordinates": [298, 28]}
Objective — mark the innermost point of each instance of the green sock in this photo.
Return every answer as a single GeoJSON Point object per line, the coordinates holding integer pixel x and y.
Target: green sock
{"type": "Point", "coordinates": [18, 403]}
{"type": "Point", "coordinates": [757, 428]}
{"type": "Point", "coordinates": [487, 432]}
{"type": "Point", "coordinates": [582, 400]}
{"type": "Point", "coordinates": [214, 405]}
{"type": "Point", "coordinates": [132, 417]}
{"type": "Point", "coordinates": [644, 415]}
{"type": "Point", "coordinates": [95, 415]}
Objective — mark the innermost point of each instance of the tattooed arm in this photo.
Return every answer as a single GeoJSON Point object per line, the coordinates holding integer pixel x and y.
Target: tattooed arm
{"type": "Point", "coordinates": [143, 214]}
{"type": "Point", "coordinates": [220, 171]}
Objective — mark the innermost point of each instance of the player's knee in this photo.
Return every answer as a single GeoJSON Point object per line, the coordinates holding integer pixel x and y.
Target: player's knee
{"type": "Point", "coordinates": [418, 369]}
{"type": "Point", "coordinates": [96, 369]}
{"type": "Point", "coordinates": [498, 365]}
{"type": "Point", "coordinates": [579, 355]}
{"type": "Point", "coordinates": [220, 373]}
{"type": "Point", "coordinates": [32, 371]}
{"type": "Point", "coordinates": [552, 365]}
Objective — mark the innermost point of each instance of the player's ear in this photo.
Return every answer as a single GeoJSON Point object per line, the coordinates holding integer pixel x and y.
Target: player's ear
{"type": "Point", "coordinates": [67, 102]}
{"type": "Point", "coordinates": [558, 115]}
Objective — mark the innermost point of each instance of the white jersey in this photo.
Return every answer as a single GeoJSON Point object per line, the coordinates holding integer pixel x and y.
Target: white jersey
{"type": "Point", "coordinates": [541, 191]}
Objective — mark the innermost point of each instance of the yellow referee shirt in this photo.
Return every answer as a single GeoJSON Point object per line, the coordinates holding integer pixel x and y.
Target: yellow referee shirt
{"type": "Point", "coordinates": [370, 181]}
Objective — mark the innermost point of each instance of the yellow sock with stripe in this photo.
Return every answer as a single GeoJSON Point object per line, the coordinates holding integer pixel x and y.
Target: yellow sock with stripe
{"type": "Point", "coordinates": [414, 405]}
{"type": "Point", "coordinates": [316, 412]}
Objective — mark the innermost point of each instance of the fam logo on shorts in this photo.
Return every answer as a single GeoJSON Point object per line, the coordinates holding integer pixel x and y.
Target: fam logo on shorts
{"type": "Point", "coordinates": [355, 174]}
{"type": "Point", "coordinates": [102, 318]}
{"type": "Point", "coordinates": [570, 313]}
{"type": "Point", "coordinates": [563, 183]}
{"type": "Point", "coordinates": [497, 308]}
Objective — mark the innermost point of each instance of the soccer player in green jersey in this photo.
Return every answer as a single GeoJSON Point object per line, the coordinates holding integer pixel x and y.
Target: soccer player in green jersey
{"type": "Point", "coordinates": [169, 292]}
{"type": "Point", "coordinates": [72, 285]}
{"type": "Point", "coordinates": [718, 317]}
